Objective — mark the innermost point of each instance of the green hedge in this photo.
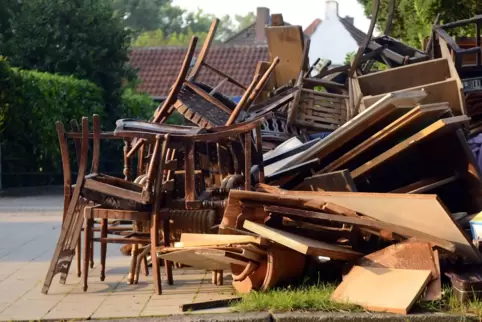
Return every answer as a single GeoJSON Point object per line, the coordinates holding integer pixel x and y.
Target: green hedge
{"type": "Point", "coordinates": [30, 104]}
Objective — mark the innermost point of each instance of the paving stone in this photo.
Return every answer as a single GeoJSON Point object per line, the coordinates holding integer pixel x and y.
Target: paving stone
{"type": "Point", "coordinates": [122, 306]}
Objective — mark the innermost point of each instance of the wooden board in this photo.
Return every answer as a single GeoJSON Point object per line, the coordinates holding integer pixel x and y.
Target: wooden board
{"type": "Point", "coordinates": [403, 210]}
{"type": "Point", "coordinates": [443, 91]}
{"type": "Point", "coordinates": [420, 115]}
{"type": "Point", "coordinates": [190, 240]}
{"type": "Point", "coordinates": [408, 76]}
{"type": "Point", "coordinates": [301, 244]}
{"type": "Point", "coordinates": [285, 42]}
{"type": "Point", "coordinates": [195, 258]}
{"type": "Point", "coordinates": [383, 107]}
{"type": "Point", "coordinates": [382, 289]}
{"type": "Point", "coordinates": [333, 181]}
{"type": "Point", "coordinates": [437, 128]}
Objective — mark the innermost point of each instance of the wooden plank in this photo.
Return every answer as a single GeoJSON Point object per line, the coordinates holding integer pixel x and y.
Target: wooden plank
{"type": "Point", "coordinates": [437, 128]}
{"type": "Point", "coordinates": [382, 289]}
{"type": "Point", "coordinates": [408, 76]}
{"type": "Point", "coordinates": [420, 115]}
{"type": "Point", "coordinates": [403, 210]}
{"type": "Point", "coordinates": [192, 240]}
{"type": "Point", "coordinates": [363, 222]}
{"type": "Point", "coordinates": [443, 91]}
{"type": "Point", "coordinates": [445, 52]}
{"type": "Point", "coordinates": [193, 257]}
{"type": "Point", "coordinates": [333, 181]}
{"type": "Point", "coordinates": [208, 304]}
{"type": "Point", "coordinates": [301, 244]}
{"type": "Point", "coordinates": [286, 42]}
{"type": "Point", "coordinates": [355, 126]}
{"type": "Point", "coordinates": [426, 185]}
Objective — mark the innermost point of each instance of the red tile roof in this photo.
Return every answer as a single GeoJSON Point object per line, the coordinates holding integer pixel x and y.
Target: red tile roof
{"type": "Point", "coordinates": [158, 66]}
{"type": "Point", "coordinates": [312, 27]}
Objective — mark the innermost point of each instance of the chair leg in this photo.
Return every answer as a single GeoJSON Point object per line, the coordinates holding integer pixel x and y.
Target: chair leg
{"type": "Point", "coordinates": [142, 257]}
{"type": "Point", "coordinates": [133, 270]}
{"type": "Point", "coordinates": [220, 279]}
{"type": "Point", "coordinates": [156, 274]}
{"type": "Point", "coordinates": [103, 248]}
{"type": "Point", "coordinates": [87, 250]}
{"type": "Point", "coordinates": [92, 249]}
{"type": "Point", "coordinates": [78, 256]}
{"type": "Point", "coordinates": [167, 243]}
{"type": "Point", "coordinates": [145, 266]}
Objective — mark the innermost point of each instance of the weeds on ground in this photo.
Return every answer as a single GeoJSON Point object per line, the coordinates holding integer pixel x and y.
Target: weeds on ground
{"type": "Point", "coordinates": [304, 298]}
{"type": "Point", "coordinates": [317, 298]}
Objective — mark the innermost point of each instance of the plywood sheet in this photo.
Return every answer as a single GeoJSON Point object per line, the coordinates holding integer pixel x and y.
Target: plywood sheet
{"type": "Point", "coordinates": [382, 289]}
{"type": "Point", "coordinates": [286, 42]}
{"type": "Point", "coordinates": [301, 244]}
{"type": "Point", "coordinates": [425, 213]}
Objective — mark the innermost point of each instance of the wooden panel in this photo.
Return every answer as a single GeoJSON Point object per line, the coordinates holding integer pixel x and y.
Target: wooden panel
{"type": "Point", "coordinates": [286, 42]}
{"type": "Point", "coordinates": [191, 257]}
{"type": "Point", "coordinates": [382, 289]}
{"type": "Point", "coordinates": [301, 244]}
{"type": "Point", "coordinates": [417, 116]}
{"type": "Point", "coordinates": [190, 240]}
{"type": "Point", "coordinates": [358, 124]}
{"type": "Point", "coordinates": [399, 209]}
{"type": "Point", "coordinates": [437, 128]}
{"type": "Point", "coordinates": [333, 181]}
{"type": "Point", "coordinates": [413, 75]}
{"type": "Point", "coordinates": [443, 91]}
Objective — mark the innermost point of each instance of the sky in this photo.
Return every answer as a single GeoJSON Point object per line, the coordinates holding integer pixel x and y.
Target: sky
{"type": "Point", "coordinates": [299, 12]}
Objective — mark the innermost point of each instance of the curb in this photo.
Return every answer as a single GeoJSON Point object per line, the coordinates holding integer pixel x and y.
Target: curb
{"type": "Point", "coordinates": [299, 317]}
{"type": "Point", "coordinates": [365, 317]}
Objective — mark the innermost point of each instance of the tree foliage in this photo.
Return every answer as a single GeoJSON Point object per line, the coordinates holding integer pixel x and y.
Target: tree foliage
{"type": "Point", "coordinates": [413, 19]}
{"type": "Point", "coordinates": [82, 38]}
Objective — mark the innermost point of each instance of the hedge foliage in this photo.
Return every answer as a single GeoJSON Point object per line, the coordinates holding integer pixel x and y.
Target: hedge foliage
{"type": "Point", "coordinates": [30, 104]}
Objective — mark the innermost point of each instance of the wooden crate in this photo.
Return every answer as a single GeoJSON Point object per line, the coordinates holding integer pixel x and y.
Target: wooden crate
{"type": "Point", "coordinates": [438, 77]}
{"type": "Point", "coordinates": [321, 111]}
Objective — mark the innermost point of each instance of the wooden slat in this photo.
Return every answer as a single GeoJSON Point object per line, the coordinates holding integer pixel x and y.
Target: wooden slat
{"type": "Point", "coordinates": [363, 222]}
{"type": "Point", "coordinates": [301, 244]}
{"type": "Point", "coordinates": [355, 126]}
{"type": "Point", "coordinates": [416, 116]}
{"type": "Point", "coordinates": [437, 128]}
{"type": "Point", "coordinates": [189, 240]}
{"type": "Point", "coordinates": [398, 209]}
{"type": "Point", "coordinates": [426, 185]}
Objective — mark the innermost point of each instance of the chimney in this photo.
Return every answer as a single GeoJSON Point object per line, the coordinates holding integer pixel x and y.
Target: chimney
{"type": "Point", "coordinates": [331, 9]}
{"type": "Point", "coordinates": [262, 19]}
{"type": "Point", "coordinates": [351, 20]}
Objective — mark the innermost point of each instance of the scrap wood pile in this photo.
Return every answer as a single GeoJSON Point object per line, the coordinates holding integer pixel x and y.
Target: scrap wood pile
{"type": "Point", "coordinates": [374, 173]}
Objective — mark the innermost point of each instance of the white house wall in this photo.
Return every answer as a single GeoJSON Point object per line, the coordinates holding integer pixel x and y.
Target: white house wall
{"type": "Point", "coordinates": [331, 41]}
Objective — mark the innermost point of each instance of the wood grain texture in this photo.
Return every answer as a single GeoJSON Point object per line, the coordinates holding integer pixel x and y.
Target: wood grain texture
{"type": "Point", "coordinates": [410, 120]}
{"type": "Point", "coordinates": [190, 240]}
{"type": "Point", "coordinates": [437, 128]}
{"type": "Point", "coordinates": [286, 42]}
{"type": "Point", "coordinates": [301, 244]}
{"type": "Point", "coordinates": [382, 289]}
{"type": "Point", "coordinates": [403, 210]}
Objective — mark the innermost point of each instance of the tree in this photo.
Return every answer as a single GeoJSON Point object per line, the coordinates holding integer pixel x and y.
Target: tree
{"type": "Point", "coordinates": [413, 19]}
{"type": "Point", "coordinates": [195, 23]}
{"type": "Point", "coordinates": [82, 38]}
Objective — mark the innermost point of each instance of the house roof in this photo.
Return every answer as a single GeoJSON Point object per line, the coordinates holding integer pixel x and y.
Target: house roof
{"type": "Point", "coordinates": [358, 35]}
{"type": "Point", "coordinates": [158, 67]}
{"type": "Point", "coordinates": [247, 35]}
{"type": "Point", "coordinates": [312, 27]}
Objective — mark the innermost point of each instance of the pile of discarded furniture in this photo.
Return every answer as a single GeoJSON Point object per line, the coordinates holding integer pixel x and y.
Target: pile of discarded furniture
{"type": "Point", "coordinates": [374, 172]}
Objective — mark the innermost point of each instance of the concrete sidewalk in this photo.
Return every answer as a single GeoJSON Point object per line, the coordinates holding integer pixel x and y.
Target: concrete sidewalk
{"type": "Point", "coordinates": [29, 229]}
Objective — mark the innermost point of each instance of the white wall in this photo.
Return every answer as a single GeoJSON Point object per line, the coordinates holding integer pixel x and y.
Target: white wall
{"type": "Point", "coordinates": [331, 40]}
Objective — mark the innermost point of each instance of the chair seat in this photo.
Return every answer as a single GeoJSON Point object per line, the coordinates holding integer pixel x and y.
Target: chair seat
{"type": "Point", "coordinates": [113, 202]}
